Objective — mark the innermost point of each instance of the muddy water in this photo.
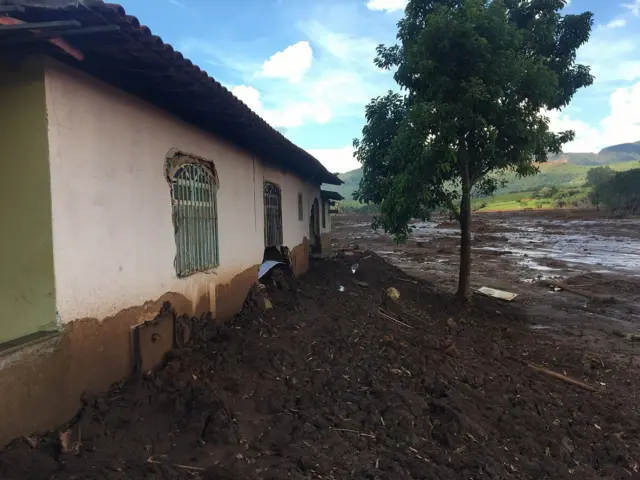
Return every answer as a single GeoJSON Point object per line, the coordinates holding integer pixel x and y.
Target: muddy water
{"type": "Point", "coordinates": [611, 246]}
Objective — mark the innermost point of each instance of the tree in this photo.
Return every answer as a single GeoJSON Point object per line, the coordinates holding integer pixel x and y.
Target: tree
{"type": "Point", "coordinates": [475, 78]}
{"type": "Point", "coordinates": [622, 192]}
{"type": "Point", "coordinates": [598, 175]}
{"type": "Point", "coordinates": [597, 178]}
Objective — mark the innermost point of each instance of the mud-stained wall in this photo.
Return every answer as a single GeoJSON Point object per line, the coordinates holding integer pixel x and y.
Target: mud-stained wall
{"type": "Point", "coordinates": [231, 296]}
{"type": "Point", "coordinates": [27, 290]}
{"type": "Point", "coordinates": [114, 246]}
{"type": "Point", "coordinates": [41, 385]}
{"type": "Point", "coordinates": [114, 242]}
{"type": "Point", "coordinates": [325, 242]}
{"type": "Point", "coordinates": [300, 257]}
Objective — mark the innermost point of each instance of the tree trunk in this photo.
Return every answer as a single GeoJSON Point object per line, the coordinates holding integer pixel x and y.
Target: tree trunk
{"type": "Point", "coordinates": [464, 286]}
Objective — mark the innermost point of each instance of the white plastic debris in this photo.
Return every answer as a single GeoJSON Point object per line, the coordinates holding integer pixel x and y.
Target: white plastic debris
{"type": "Point", "coordinates": [266, 266]}
{"type": "Point", "coordinates": [499, 294]}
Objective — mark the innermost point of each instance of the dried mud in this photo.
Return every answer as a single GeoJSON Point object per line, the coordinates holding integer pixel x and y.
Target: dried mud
{"type": "Point", "coordinates": [324, 386]}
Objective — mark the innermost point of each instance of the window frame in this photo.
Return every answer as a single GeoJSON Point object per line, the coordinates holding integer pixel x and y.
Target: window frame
{"type": "Point", "coordinates": [272, 202]}
{"type": "Point", "coordinates": [195, 215]}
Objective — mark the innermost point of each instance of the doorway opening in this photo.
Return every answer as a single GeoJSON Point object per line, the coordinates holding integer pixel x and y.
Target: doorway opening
{"type": "Point", "coordinates": [314, 227]}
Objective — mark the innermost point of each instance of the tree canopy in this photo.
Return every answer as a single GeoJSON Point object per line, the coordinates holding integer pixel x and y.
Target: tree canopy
{"type": "Point", "coordinates": [619, 192]}
{"type": "Point", "coordinates": [599, 175]}
{"type": "Point", "coordinates": [598, 179]}
{"type": "Point", "coordinates": [475, 78]}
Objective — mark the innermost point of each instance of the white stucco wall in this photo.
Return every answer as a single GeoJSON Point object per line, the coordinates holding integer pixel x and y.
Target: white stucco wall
{"type": "Point", "coordinates": [112, 229]}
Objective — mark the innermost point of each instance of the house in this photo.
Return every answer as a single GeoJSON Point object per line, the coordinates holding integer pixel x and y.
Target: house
{"type": "Point", "coordinates": [327, 200]}
{"type": "Point", "coordinates": [131, 179]}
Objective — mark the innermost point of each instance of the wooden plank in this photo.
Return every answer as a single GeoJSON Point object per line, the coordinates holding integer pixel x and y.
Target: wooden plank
{"type": "Point", "coordinates": [11, 8]}
{"type": "Point", "coordinates": [57, 41]}
{"type": "Point", "coordinates": [40, 25]}
{"type": "Point", "coordinates": [53, 34]}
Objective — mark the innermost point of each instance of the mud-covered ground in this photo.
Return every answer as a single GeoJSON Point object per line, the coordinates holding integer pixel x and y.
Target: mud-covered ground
{"type": "Point", "coordinates": [521, 252]}
{"type": "Point", "coordinates": [338, 380]}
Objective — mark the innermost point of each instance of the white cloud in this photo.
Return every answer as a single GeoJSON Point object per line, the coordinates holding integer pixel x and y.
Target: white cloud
{"type": "Point", "coordinates": [621, 125]}
{"type": "Point", "coordinates": [329, 75]}
{"type": "Point", "coordinates": [249, 95]}
{"type": "Point", "coordinates": [291, 63]}
{"type": "Point", "coordinates": [287, 115]}
{"type": "Point", "coordinates": [616, 23]}
{"type": "Point", "coordinates": [342, 46]}
{"type": "Point", "coordinates": [612, 57]}
{"type": "Point", "coordinates": [338, 85]}
{"type": "Point", "coordinates": [633, 7]}
{"type": "Point", "coordinates": [386, 5]}
{"type": "Point", "coordinates": [336, 160]}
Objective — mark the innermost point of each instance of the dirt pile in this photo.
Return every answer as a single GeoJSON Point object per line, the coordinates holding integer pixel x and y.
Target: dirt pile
{"type": "Point", "coordinates": [337, 380]}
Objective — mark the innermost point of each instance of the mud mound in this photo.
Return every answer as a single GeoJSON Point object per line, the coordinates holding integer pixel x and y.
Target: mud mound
{"type": "Point", "coordinates": [606, 282]}
{"type": "Point", "coordinates": [338, 381]}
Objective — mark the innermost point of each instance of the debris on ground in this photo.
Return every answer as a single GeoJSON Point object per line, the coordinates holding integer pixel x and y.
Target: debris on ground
{"type": "Point", "coordinates": [393, 293]}
{"type": "Point", "coordinates": [268, 265]}
{"type": "Point", "coordinates": [333, 386]}
{"type": "Point", "coordinates": [499, 294]}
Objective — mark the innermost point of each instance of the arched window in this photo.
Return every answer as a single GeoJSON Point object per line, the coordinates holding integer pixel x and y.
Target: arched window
{"type": "Point", "coordinates": [195, 217]}
{"type": "Point", "coordinates": [272, 215]}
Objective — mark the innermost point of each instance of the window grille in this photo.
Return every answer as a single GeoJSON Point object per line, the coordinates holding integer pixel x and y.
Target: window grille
{"type": "Point", "coordinates": [272, 215]}
{"type": "Point", "coordinates": [195, 216]}
{"type": "Point", "coordinates": [300, 208]}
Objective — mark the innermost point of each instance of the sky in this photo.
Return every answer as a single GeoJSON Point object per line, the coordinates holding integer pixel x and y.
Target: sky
{"type": "Point", "coordinates": [306, 66]}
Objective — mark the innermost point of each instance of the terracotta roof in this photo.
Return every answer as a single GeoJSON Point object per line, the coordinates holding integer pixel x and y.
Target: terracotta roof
{"type": "Point", "coordinates": [133, 59]}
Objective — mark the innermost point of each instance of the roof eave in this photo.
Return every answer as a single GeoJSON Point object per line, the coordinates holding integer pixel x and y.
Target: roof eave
{"type": "Point", "coordinates": [133, 58]}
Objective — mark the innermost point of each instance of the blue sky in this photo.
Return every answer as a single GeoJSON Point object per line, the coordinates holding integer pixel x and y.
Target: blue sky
{"type": "Point", "coordinates": [306, 66]}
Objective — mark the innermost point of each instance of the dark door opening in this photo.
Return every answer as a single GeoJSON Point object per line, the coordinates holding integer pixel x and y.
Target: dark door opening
{"type": "Point", "coordinates": [314, 227]}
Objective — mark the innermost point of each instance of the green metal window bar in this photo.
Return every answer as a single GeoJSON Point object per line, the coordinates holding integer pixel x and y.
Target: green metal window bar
{"type": "Point", "coordinates": [195, 216]}
{"type": "Point", "coordinates": [272, 215]}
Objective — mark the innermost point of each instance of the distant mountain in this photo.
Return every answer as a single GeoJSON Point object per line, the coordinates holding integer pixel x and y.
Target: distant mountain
{"type": "Point", "coordinates": [351, 181]}
{"type": "Point", "coordinates": [624, 152]}
{"type": "Point", "coordinates": [568, 169]}
{"type": "Point", "coordinates": [622, 149]}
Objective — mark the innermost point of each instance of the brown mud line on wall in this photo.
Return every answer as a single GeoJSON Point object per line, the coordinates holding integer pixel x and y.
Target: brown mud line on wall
{"type": "Point", "coordinates": [230, 296]}
{"type": "Point", "coordinates": [42, 386]}
{"type": "Point", "coordinates": [325, 242]}
{"type": "Point", "coordinates": [322, 385]}
{"type": "Point", "coordinates": [299, 256]}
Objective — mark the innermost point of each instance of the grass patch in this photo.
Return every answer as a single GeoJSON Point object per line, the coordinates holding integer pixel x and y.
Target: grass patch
{"type": "Point", "coordinates": [566, 197]}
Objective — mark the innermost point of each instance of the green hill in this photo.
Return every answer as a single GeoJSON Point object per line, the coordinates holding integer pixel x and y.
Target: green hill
{"type": "Point", "coordinates": [351, 180]}
{"type": "Point", "coordinates": [568, 170]}
{"type": "Point", "coordinates": [557, 175]}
